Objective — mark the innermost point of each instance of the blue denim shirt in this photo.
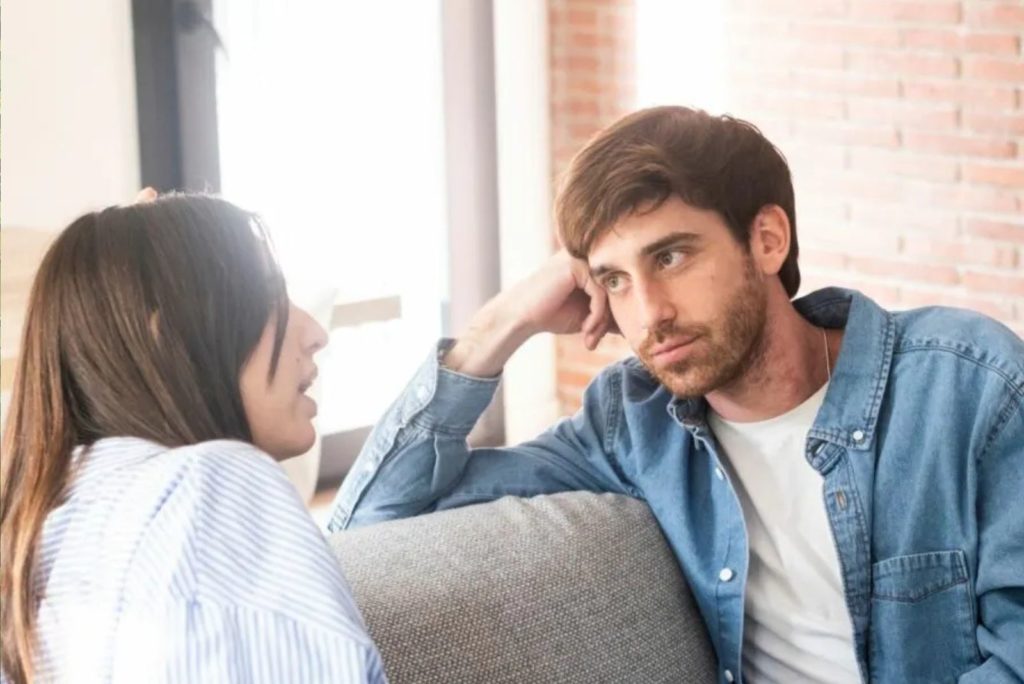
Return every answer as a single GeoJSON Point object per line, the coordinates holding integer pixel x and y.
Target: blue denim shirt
{"type": "Point", "coordinates": [920, 442]}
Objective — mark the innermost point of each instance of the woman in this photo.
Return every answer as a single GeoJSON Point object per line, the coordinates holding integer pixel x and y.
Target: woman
{"type": "Point", "coordinates": [147, 532]}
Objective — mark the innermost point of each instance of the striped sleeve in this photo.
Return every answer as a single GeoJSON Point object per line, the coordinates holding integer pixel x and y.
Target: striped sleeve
{"type": "Point", "coordinates": [254, 592]}
{"type": "Point", "coordinates": [243, 645]}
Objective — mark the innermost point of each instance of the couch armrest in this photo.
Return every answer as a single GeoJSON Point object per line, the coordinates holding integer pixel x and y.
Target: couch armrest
{"type": "Point", "coordinates": [573, 587]}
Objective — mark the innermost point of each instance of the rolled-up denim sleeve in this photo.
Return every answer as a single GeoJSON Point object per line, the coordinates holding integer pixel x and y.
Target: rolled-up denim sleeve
{"type": "Point", "coordinates": [417, 459]}
{"type": "Point", "coordinates": [1000, 582]}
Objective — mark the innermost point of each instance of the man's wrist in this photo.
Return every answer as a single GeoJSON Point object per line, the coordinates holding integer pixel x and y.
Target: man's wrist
{"type": "Point", "coordinates": [494, 334]}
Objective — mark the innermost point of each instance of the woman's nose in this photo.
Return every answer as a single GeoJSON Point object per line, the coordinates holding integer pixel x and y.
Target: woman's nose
{"type": "Point", "coordinates": [314, 337]}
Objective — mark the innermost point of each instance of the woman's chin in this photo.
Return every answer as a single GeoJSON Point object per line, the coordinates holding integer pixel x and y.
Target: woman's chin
{"type": "Point", "coordinates": [290, 447]}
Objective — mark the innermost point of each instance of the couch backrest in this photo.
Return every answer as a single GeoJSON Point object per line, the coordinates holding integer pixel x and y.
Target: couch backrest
{"type": "Point", "coordinates": [565, 588]}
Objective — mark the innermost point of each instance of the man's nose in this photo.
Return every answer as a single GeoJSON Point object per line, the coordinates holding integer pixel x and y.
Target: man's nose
{"type": "Point", "coordinates": [656, 308]}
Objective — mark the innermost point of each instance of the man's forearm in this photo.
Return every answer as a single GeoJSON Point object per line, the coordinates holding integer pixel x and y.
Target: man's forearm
{"type": "Point", "coordinates": [493, 335]}
{"type": "Point", "coordinates": [417, 451]}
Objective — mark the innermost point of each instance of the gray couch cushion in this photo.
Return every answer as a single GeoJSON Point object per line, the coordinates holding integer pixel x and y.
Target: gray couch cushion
{"type": "Point", "coordinates": [571, 587]}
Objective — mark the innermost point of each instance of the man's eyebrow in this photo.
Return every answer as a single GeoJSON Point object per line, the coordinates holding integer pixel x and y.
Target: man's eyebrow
{"type": "Point", "coordinates": [671, 240]}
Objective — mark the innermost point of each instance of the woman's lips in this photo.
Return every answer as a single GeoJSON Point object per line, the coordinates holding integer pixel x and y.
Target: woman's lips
{"type": "Point", "coordinates": [310, 404]}
{"type": "Point", "coordinates": [308, 382]}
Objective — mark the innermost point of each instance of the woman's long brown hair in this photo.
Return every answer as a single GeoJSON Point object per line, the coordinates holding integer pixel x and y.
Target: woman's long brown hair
{"type": "Point", "coordinates": [139, 322]}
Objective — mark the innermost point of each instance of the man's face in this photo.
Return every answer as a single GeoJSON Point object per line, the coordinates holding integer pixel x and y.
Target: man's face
{"type": "Point", "coordinates": [685, 294]}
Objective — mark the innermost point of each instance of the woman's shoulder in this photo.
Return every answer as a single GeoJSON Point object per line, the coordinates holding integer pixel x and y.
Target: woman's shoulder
{"type": "Point", "coordinates": [131, 462]}
{"type": "Point", "coordinates": [215, 524]}
{"type": "Point", "coordinates": [167, 487]}
{"type": "Point", "coordinates": [141, 513]}
{"type": "Point", "coordinates": [227, 489]}
{"type": "Point", "coordinates": [229, 466]}
{"type": "Point", "coordinates": [224, 455]}
{"type": "Point", "coordinates": [245, 539]}
{"type": "Point", "coordinates": [218, 477]}
{"type": "Point", "coordinates": [199, 509]}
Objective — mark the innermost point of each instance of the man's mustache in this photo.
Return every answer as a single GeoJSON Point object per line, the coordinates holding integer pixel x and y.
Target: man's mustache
{"type": "Point", "coordinates": [670, 331]}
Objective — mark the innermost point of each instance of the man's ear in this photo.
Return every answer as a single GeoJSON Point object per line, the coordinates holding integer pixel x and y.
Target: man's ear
{"type": "Point", "coordinates": [770, 237]}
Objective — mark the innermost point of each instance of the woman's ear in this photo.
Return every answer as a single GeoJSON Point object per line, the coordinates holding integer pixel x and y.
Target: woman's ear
{"type": "Point", "coordinates": [770, 237]}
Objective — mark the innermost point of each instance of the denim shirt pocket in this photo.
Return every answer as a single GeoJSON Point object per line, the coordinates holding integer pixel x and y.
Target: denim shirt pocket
{"type": "Point", "coordinates": [923, 618]}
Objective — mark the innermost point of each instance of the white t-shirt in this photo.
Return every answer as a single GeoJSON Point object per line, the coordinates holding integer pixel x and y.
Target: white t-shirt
{"type": "Point", "coordinates": [797, 625]}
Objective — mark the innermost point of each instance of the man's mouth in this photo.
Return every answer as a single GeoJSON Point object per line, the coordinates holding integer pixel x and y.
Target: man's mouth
{"type": "Point", "coordinates": [670, 345]}
{"type": "Point", "coordinates": [671, 351]}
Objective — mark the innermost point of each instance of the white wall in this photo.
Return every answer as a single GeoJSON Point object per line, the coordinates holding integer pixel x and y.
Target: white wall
{"type": "Point", "coordinates": [524, 190]}
{"type": "Point", "coordinates": [69, 140]}
{"type": "Point", "coordinates": [69, 143]}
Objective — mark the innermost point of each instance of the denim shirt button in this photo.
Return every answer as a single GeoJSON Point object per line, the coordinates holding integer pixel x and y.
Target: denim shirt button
{"type": "Point", "coordinates": [728, 675]}
{"type": "Point", "coordinates": [719, 474]}
{"type": "Point", "coordinates": [858, 436]}
{"type": "Point", "coordinates": [726, 575]}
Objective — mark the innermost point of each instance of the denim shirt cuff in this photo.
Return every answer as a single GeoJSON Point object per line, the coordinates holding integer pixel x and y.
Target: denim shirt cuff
{"type": "Point", "coordinates": [443, 400]}
{"type": "Point", "coordinates": [437, 400]}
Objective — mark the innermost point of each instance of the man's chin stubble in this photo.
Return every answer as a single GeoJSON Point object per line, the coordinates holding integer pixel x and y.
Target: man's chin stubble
{"type": "Point", "coordinates": [690, 380]}
{"type": "Point", "coordinates": [694, 387]}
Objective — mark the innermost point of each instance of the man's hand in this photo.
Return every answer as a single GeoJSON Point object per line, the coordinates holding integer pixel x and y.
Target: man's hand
{"type": "Point", "coordinates": [560, 298]}
{"type": "Point", "coordinates": [145, 195]}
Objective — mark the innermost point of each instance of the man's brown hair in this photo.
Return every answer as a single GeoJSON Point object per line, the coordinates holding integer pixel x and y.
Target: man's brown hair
{"type": "Point", "coordinates": [710, 162]}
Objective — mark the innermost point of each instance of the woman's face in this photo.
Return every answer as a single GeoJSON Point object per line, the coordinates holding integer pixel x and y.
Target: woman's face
{"type": "Point", "coordinates": [279, 412]}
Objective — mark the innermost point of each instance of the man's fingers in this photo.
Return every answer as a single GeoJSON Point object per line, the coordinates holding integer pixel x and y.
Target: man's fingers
{"type": "Point", "coordinates": [598, 321]}
{"type": "Point", "coordinates": [598, 306]}
{"type": "Point", "coordinates": [599, 318]}
{"type": "Point", "coordinates": [592, 338]}
{"type": "Point", "coordinates": [146, 195]}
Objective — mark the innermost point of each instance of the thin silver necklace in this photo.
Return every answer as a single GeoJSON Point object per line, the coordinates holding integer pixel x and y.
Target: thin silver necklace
{"type": "Point", "coordinates": [828, 356]}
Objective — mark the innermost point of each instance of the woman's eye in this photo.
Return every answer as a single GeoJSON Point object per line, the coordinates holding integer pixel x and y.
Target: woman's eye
{"type": "Point", "coordinates": [670, 258]}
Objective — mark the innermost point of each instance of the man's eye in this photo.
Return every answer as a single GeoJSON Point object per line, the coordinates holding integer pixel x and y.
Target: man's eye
{"type": "Point", "coordinates": [612, 283]}
{"type": "Point", "coordinates": [671, 258]}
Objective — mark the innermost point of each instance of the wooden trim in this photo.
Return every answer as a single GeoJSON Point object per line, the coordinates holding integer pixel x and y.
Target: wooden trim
{"type": "Point", "coordinates": [7, 366]}
{"type": "Point", "coordinates": [343, 315]}
{"type": "Point", "coordinates": [349, 314]}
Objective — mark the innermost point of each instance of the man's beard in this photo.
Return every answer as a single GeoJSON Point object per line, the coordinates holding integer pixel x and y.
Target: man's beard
{"type": "Point", "coordinates": [728, 346]}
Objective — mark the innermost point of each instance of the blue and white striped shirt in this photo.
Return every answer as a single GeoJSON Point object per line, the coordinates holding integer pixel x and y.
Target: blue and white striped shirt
{"type": "Point", "coordinates": [195, 564]}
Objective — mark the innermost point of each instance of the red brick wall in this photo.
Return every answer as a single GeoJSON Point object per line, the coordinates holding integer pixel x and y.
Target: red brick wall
{"type": "Point", "coordinates": [903, 123]}
{"type": "Point", "coordinates": [592, 84]}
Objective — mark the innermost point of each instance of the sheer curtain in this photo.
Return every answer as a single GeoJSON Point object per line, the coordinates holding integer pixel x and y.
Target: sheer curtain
{"type": "Point", "coordinates": [330, 120]}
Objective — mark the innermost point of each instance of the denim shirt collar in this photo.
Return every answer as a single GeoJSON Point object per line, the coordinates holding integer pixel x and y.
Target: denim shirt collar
{"type": "Point", "coordinates": [849, 415]}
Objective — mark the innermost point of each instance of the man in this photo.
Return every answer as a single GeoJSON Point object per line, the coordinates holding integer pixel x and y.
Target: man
{"type": "Point", "coordinates": [840, 484]}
